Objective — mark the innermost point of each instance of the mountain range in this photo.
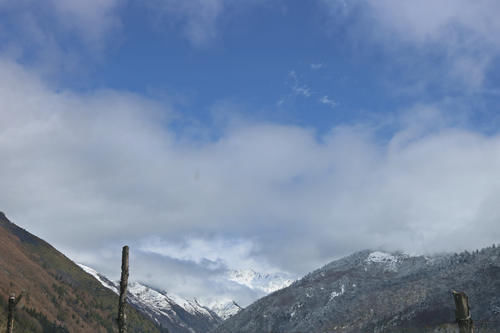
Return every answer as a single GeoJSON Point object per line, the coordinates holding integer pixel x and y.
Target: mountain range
{"type": "Point", "coordinates": [179, 314]}
{"type": "Point", "coordinates": [166, 309]}
{"type": "Point", "coordinates": [373, 291]}
{"type": "Point", "coordinates": [368, 291]}
{"type": "Point", "coordinates": [61, 296]}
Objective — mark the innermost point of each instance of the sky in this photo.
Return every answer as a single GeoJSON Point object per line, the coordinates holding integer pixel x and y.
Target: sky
{"type": "Point", "coordinates": [212, 135]}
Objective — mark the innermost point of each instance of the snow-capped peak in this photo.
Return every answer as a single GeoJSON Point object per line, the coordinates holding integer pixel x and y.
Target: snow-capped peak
{"type": "Point", "coordinates": [225, 308]}
{"type": "Point", "coordinates": [266, 283]}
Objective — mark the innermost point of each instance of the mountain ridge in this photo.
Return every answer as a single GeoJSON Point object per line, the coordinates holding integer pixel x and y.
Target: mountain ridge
{"type": "Point", "coordinates": [162, 306]}
{"type": "Point", "coordinates": [168, 310]}
{"type": "Point", "coordinates": [372, 291]}
{"type": "Point", "coordinates": [58, 296]}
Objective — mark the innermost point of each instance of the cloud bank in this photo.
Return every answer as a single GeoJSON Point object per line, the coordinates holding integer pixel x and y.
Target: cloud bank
{"type": "Point", "coordinates": [90, 172]}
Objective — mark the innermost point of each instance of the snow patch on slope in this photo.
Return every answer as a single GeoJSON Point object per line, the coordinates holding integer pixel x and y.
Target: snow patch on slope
{"type": "Point", "coordinates": [337, 293]}
{"type": "Point", "coordinates": [381, 257]}
{"type": "Point", "coordinates": [389, 260]}
{"type": "Point", "coordinates": [101, 278]}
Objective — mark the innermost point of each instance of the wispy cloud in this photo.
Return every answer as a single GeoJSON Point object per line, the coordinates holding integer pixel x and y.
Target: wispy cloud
{"type": "Point", "coordinates": [316, 66]}
{"type": "Point", "coordinates": [300, 89]}
{"type": "Point", "coordinates": [463, 32]}
{"type": "Point", "coordinates": [199, 19]}
{"type": "Point", "coordinates": [297, 87]}
{"type": "Point", "coordinates": [56, 36]}
{"type": "Point", "coordinates": [94, 20]}
{"type": "Point", "coordinates": [327, 101]}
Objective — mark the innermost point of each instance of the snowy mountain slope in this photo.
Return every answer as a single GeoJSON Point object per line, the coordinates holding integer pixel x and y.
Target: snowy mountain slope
{"type": "Point", "coordinates": [373, 291]}
{"type": "Point", "coordinates": [262, 283]}
{"type": "Point", "coordinates": [225, 308]}
{"type": "Point", "coordinates": [157, 301]}
{"type": "Point", "coordinates": [171, 311]}
{"type": "Point", "coordinates": [101, 278]}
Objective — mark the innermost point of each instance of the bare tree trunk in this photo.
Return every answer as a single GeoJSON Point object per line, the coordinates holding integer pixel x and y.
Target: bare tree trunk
{"type": "Point", "coordinates": [462, 312]}
{"type": "Point", "coordinates": [122, 325]}
{"type": "Point", "coordinates": [10, 318]}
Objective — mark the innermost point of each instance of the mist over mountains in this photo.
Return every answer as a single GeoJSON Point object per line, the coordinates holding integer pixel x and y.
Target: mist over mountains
{"type": "Point", "coordinates": [179, 314]}
{"type": "Point", "coordinates": [368, 291]}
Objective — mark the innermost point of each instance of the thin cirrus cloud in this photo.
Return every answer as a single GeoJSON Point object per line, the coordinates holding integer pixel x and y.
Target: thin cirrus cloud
{"type": "Point", "coordinates": [300, 89]}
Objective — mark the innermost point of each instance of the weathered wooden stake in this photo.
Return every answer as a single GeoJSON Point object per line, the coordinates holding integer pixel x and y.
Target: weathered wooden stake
{"type": "Point", "coordinates": [122, 325]}
{"type": "Point", "coordinates": [462, 312]}
{"type": "Point", "coordinates": [10, 318]}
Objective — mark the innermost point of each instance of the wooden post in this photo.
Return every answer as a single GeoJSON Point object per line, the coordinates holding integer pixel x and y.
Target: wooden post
{"type": "Point", "coordinates": [10, 318]}
{"type": "Point", "coordinates": [462, 312]}
{"type": "Point", "coordinates": [122, 318]}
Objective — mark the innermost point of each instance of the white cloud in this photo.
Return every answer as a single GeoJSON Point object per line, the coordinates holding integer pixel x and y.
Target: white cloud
{"type": "Point", "coordinates": [302, 90]}
{"type": "Point", "coordinates": [297, 87]}
{"type": "Point", "coordinates": [434, 20]}
{"type": "Point", "coordinates": [236, 254]}
{"type": "Point", "coordinates": [91, 20]}
{"type": "Point", "coordinates": [90, 172]}
{"type": "Point", "coordinates": [55, 36]}
{"type": "Point", "coordinates": [464, 32]}
{"type": "Point", "coordinates": [328, 101]}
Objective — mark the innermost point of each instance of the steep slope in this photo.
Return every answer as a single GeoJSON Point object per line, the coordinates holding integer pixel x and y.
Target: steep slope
{"type": "Point", "coordinates": [179, 314]}
{"type": "Point", "coordinates": [58, 295]}
{"type": "Point", "coordinates": [173, 312]}
{"type": "Point", "coordinates": [169, 310]}
{"type": "Point", "coordinates": [380, 292]}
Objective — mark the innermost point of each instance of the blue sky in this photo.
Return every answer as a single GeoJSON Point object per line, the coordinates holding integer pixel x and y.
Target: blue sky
{"type": "Point", "coordinates": [266, 134]}
{"type": "Point", "coordinates": [245, 54]}
{"type": "Point", "coordinates": [206, 53]}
